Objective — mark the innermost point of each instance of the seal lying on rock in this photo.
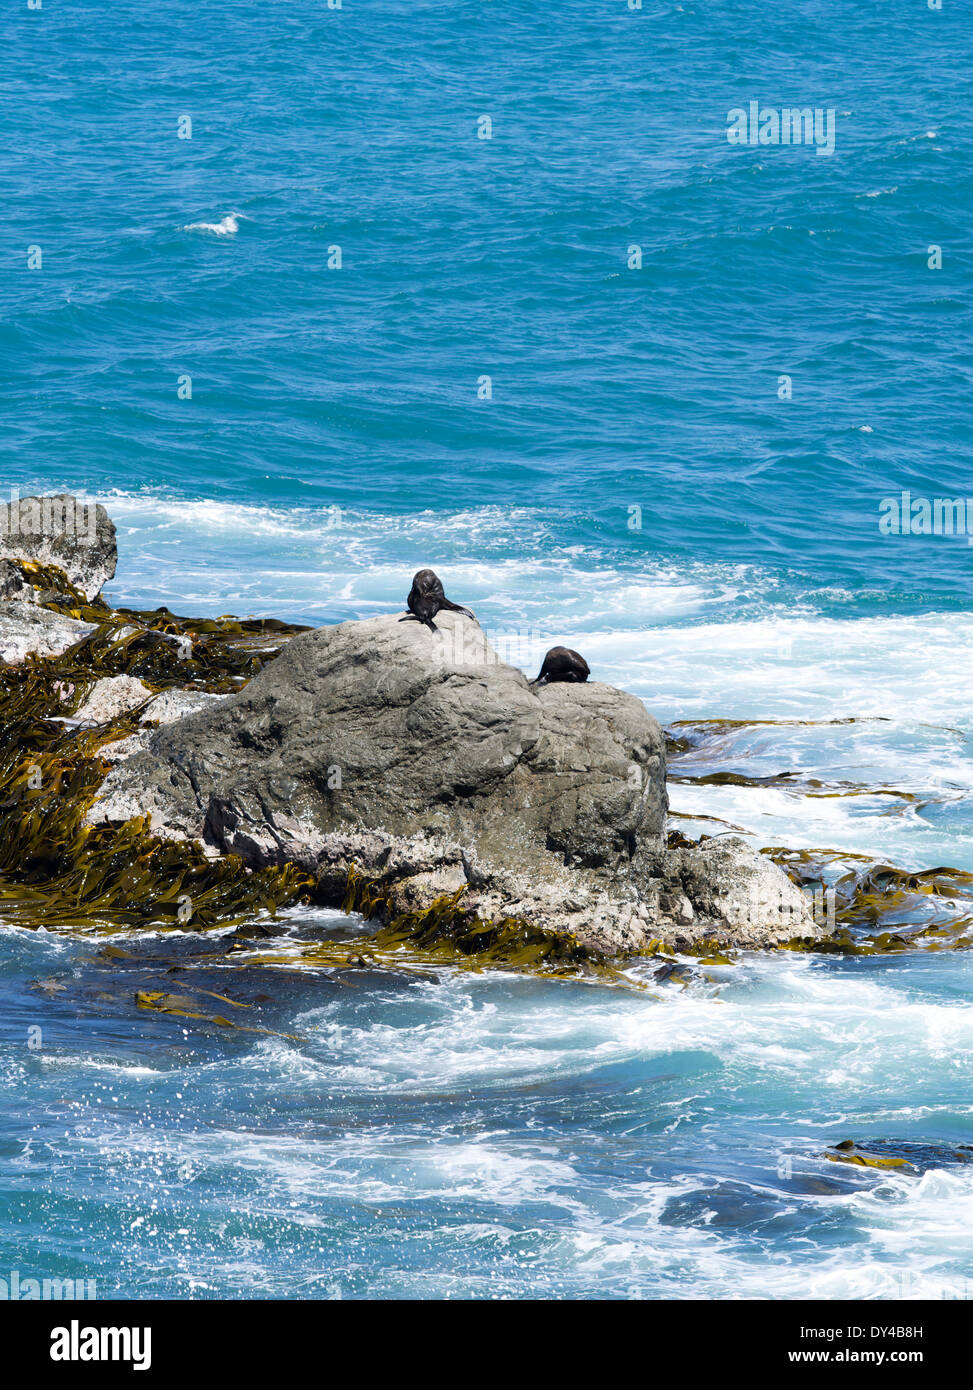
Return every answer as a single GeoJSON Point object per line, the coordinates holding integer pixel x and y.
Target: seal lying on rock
{"type": "Point", "coordinates": [563, 664]}
{"type": "Point", "coordinates": [426, 599]}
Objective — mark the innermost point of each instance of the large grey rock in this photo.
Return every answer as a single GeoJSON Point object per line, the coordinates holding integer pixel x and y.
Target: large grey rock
{"type": "Point", "coordinates": [423, 761]}
{"type": "Point", "coordinates": [62, 530]}
{"type": "Point", "coordinates": [27, 629]}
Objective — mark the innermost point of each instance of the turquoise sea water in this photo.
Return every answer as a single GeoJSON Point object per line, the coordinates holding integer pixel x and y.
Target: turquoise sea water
{"type": "Point", "coordinates": [635, 487]}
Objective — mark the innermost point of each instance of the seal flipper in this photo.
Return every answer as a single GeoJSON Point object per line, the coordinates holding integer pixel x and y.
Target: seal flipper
{"type": "Point", "coordinates": [457, 608]}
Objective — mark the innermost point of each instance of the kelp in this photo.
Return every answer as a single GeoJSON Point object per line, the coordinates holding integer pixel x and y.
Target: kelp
{"type": "Point", "coordinates": [122, 978]}
{"type": "Point", "coordinates": [446, 933]}
{"type": "Point", "coordinates": [54, 590]}
{"type": "Point", "coordinates": [811, 787]}
{"type": "Point", "coordinates": [879, 909]}
{"type": "Point", "coordinates": [105, 876]}
{"type": "Point", "coordinates": [179, 1005]}
{"type": "Point", "coordinates": [865, 1160]}
{"type": "Point", "coordinates": [910, 1156]}
{"type": "Point", "coordinates": [709, 727]}
{"type": "Point", "coordinates": [447, 930]}
{"type": "Point", "coordinates": [707, 738]}
{"type": "Point", "coordinates": [687, 735]}
{"type": "Point", "coordinates": [157, 646]}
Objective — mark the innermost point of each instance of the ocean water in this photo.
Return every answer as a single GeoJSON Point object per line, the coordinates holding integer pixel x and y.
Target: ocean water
{"type": "Point", "coordinates": [633, 485]}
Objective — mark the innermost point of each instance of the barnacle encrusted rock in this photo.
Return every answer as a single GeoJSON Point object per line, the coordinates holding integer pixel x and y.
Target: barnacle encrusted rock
{"type": "Point", "coordinates": [110, 697]}
{"type": "Point", "coordinates": [26, 629]}
{"type": "Point", "coordinates": [175, 704]}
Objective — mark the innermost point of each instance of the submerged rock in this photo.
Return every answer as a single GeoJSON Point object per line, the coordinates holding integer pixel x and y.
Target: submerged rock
{"type": "Point", "coordinates": [913, 1156]}
{"type": "Point", "coordinates": [76, 536]}
{"type": "Point", "coordinates": [416, 765]}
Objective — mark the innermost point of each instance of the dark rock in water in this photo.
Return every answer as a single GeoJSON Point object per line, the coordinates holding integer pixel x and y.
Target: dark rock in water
{"type": "Point", "coordinates": [726, 1204]}
{"type": "Point", "coordinates": [421, 761]}
{"type": "Point", "coordinates": [907, 1155]}
{"type": "Point", "coordinates": [62, 530]}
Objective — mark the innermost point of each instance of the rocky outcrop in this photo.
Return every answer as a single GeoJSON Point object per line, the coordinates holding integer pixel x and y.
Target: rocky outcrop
{"type": "Point", "coordinates": [76, 536]}
{"type": "Point", "coordinates": [78, 539]}
{"type": "Point", "coordinates": [420, 761]}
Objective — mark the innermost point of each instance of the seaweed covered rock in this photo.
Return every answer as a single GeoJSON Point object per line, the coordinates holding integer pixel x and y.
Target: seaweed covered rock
{"type": "Point", "coordinates": [76, 536]}
{"type": "Point", "coordinates": [414, 765]}
{"type": "Point", "coordinates": [26, 629]}
{"type": "Point", "coordinates": [910, 1155]}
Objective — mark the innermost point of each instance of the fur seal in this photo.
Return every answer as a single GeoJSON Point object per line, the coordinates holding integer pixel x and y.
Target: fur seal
{"type": "Point", "coordinates": [563, 664]}
{"type": "Point", "coordinates": [426, 599]}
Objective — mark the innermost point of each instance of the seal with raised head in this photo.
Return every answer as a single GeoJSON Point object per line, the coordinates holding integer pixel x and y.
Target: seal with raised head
{"type": "Point", "coordinates": [426, 599]}
{"type": "Point", "coordinates": [563, 664]}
